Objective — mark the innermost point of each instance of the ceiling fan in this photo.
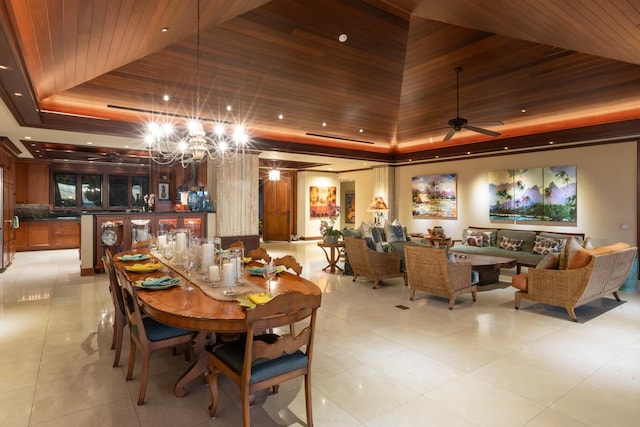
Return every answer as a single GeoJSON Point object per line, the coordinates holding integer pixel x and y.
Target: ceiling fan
{"type": "Point", "coordinates": [458, 123]}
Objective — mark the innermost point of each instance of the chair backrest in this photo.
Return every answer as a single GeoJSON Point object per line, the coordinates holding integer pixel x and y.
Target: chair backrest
{"type": "Point", "coordinates": [141, 244]}
{"type": "Point", "coordinates": [282, 311]}
{"type": "Point", "coordinates": [356, 250]}
{"type": "Point", "coordinates": [427, 266]}
{"type": "Point", "coordinates": [132, 308]}
{"type": "Point", "coordinates": [259, 254]}
{"type": "Point", "coordinates": [237, 244]}
{"type": "Point", "coordinates": [114, 287]}
{"type": "Point", "coordinates": [288, 261]}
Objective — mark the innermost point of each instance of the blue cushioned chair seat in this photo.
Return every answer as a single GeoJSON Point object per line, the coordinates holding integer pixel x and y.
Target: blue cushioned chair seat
{"type": "Point", "coordinates": [157, 331]}
{"type": "Point", "coordinates": [233, 355]}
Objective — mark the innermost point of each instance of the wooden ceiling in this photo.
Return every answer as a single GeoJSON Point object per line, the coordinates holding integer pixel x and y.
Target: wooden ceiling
{"type": "Point", "coordinates": [557, 70]}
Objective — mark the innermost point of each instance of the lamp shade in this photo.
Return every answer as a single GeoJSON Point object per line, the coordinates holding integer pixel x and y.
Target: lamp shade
{"type": "Point", "coordinates": [377, 204]}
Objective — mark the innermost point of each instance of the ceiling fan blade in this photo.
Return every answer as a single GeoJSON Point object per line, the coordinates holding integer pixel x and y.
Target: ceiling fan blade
{"type": "Point", "coordinates": [483, 131]}
{"type": "Point", "coordinates": [450, 134]}
{"type": "Point", "coordinates": [494, 123]}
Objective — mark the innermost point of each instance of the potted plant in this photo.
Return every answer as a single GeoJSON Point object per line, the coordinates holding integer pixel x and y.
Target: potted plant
{"type": "Point", "coordinates": [329, 233]}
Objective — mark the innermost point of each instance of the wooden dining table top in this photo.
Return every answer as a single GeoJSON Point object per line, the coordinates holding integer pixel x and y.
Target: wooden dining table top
{"type": "Point", "coordinates": [193, 309]}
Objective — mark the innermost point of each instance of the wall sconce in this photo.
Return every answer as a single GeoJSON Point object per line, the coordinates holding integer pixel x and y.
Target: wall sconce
{"type": "Point", "coordinates": [379, 209]}
{"type": "Point", "coordinates": [274, 175]}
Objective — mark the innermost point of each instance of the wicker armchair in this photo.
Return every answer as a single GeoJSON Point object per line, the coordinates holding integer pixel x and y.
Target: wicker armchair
{"type": "Point", "coordinates": [429, 270]}
{"type": "Point", "coordinates": [369, 263]}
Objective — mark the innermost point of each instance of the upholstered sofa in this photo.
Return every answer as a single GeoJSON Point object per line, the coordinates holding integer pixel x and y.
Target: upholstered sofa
{"type": "Point", "coordinates": [501, 242]}
{"type": "Point", "coordinates": [587, 276]}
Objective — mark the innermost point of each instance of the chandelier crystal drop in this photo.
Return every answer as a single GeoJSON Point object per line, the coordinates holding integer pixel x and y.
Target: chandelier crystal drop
{"type": "Point", "coordinates": [221, 142]}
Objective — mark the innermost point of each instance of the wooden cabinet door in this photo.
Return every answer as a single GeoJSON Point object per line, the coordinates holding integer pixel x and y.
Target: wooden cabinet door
{"type": "Point", "coordinates": [276, 202]}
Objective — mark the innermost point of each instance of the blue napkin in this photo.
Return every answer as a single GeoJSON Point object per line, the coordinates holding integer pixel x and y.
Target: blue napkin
{"type": "Point", "coordinates": [160, 281]}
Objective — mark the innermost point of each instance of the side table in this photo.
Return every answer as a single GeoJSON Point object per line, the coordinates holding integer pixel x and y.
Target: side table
{"type": "Point", "coordinates": [333, 252]}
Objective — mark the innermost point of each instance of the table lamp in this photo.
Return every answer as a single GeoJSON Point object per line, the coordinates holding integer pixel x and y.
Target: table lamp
{"type": "Point", "coordinates": [378, 207]}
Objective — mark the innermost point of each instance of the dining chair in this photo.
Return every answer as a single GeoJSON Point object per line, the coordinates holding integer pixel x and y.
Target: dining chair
{"type": "Point", "coordinates": [147, 334]}
{"type": "Point", "coordinates": [259, 254]}
{"type": "Point", "coordinates": [140, 244]}
{"type": "Point", "coordinates": [261, 361]}
{"type": "Point", "coordinates": [288, 261]}
{"type": "Point", "coordinates": [119, 316]}
{"type": "Point", "coordinates": [237, 244]}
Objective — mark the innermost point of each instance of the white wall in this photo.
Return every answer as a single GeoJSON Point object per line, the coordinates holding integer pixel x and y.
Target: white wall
{"type": "Point", "coordinates": [606, 177]}
{"type": "Point", "coordinates": [364, 191]}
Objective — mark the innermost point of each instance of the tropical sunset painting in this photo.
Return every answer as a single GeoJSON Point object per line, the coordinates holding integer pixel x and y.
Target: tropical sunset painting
{"type": "Point", "coordinates": [501, 194]}
{"type": "Point", "coordinates": [434, 196]}
{"type": "Point", "coordinates": [560, 193]}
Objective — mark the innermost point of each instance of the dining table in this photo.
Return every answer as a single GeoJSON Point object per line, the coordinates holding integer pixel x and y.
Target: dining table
{"type": "Point", "coordinates": [196, 304]}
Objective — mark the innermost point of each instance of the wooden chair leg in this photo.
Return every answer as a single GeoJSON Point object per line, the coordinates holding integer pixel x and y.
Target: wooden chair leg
{"type": "Point", "coordinates": [212, 380]}
{"type": "Point", "coordinates": [132, 359]}
{"type": "Point", "coordinates": [118, 333]}
{"type": "Point", "coordinates": [307, 399]}
{"type": "Point", "coordinates": [144, 378]}
{"type": "Point", "coordinates": [616, 296]}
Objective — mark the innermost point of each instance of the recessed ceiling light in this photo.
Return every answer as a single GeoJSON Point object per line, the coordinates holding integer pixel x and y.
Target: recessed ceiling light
{"type": "Point", "coordinates": [27, 137]}
{"type": "Point", "coordinates": [3, 67]}
{"type": "Point", "coordinates": [164, 29]}
{"type": "Point", "coordinates": [165, 97]}
{"type": "Point", "coordinates": [524, 110]}
{"type": "Point", "coordinates": [89, 143]}
{"type": "Point", "coordinates": [506, 148]}
{"type": "Point", "coordinates": [361, 130]}
{"type": "Point", "coordinates": [17, 93]}
{"type": "Point", "coordinates": [468, 152]}
{"type": "Point", "coordinates": [324, 124]}
{"type": "Point", "coordinates": [228, 107]}
{"type": "Point", "coordinates": [551, 142]}
{"type": "Point", "coordinates": [342, 38]}
{"type": "Point", "coordinates": [280, 116]}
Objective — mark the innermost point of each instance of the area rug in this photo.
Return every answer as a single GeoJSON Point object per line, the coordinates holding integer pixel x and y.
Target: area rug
{"type": "Point", "coordinates": [584, 313]}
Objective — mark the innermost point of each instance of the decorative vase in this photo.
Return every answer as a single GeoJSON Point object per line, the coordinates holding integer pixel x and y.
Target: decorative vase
{"type": "Point", "coordinates": [330, 239]}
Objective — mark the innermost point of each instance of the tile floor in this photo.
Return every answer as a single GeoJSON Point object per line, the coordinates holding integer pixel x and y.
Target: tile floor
{"type": "Point", "coordinates": [482, 364]}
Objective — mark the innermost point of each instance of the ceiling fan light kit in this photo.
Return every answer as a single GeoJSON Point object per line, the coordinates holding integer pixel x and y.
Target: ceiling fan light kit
{"type": "Point", "coordinates": [458, 123]}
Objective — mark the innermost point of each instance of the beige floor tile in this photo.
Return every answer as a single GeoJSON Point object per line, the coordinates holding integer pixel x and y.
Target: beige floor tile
{"type": "Point", "coordinates": [420, 412]}
{"type": "Point", "coordinates": [15, 406]}
{"type": "Point", "coordinates": [120, 413]}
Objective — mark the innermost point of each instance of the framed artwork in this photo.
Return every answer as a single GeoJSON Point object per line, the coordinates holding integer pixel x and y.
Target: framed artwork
{"type": "Point", "coordinates": [321, 201]}
{"type": "Point", "coordinates": [434, 196]}
{"type": "Point", "coordinates": [350, 211]}
{"type": "Point", "coordinates": [534, 194]}
{"type": "Point", "coordinates": [163, 191]}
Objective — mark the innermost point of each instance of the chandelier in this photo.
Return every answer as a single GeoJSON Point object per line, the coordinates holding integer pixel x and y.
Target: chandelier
{"type": "Point", "coordinates": [222, 142]}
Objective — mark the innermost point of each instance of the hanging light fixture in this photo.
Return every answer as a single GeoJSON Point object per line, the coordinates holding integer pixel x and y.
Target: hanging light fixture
{"type": "Point", "coordinates": [225, 143]}
{"type": "Point", "coordinates": [274, 175]}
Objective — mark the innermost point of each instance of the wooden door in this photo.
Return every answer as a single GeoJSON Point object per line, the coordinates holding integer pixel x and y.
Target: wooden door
{"type": "Point", "coordinates": [276, 206]}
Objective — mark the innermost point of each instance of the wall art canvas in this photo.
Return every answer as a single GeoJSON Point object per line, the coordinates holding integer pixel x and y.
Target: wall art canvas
{"type": "Point", "coordinates": [560, 193]}
{"type": "Point", "coordinates": [350, 208]}
{"type": "Point", "coordinates": [501, 194]}
{"type": "Point", "coordinates": [322, 201]}
{"type": "Point", "coordinates": [534, 194]}
{"type": "Point", "coordinates": [434, 196]}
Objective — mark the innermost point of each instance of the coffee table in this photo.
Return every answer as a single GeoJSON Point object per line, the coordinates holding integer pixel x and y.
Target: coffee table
{"type": "Point", "coordinates": [488, 267]}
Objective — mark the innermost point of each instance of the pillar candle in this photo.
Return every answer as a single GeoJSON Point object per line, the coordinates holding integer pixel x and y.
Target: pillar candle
{"type": "Point", "coordinates": [229, 274]}
{"type": "Point", "coordinates": [214, 273]}
{"type": "Point", "coordinates": [162, 240]}
{"type": "Point", "coordinates": [181, 242]}
{"type": "Point", "coordinates": [206, 256]}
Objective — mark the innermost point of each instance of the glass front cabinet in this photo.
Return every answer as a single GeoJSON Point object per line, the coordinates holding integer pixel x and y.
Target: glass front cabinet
{"type": "Point", "coordinates": [118, 231]}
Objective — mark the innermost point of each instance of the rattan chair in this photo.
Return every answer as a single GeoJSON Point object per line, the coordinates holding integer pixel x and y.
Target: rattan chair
{"type": "Point", "coordinates": [372, 264]}
{"type": "Point", "coordinates": [119, 316]}
{"type": "Point", "coordinates": [147, 334]}
{"type": "Point", "coordinates": [429, 270]}
{"type": "Point", "coordinates": [261, 361]}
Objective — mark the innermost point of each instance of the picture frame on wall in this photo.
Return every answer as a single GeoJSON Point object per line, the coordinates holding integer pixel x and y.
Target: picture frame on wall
{"type": "Point", "coordinates": [322, 200]}
{"type": "Point", "coordinates": [350, 208]}
{"type": "Point", "coordinates": [163, 191]}
{"type": "Point", "coordinates": [435, 196]}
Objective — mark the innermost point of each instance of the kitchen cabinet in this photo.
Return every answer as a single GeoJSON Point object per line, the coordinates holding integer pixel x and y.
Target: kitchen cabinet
{"type": "Point", "coordinates": [47, 234]}
{"type": "Point", "coordinates": [32, 182]}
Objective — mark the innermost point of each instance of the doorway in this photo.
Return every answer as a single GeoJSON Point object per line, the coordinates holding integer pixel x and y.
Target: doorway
{"type": "Point", "coordinates": [277, 214]}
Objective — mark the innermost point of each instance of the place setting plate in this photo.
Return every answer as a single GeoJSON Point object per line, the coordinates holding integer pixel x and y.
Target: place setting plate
{"type": "Point", "coordinates": [143, 268]}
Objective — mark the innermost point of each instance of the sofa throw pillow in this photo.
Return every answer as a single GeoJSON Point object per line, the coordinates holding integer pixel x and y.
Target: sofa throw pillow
{"type": "Point", "coordinates": [376, 235]}
{"type": "Point", "coordinates": [544, 246]}
{"type": "Point", "coordinates": [365, 229]}
{"type": "Point", "coordinates": [568, 251]}
{"type": "Point", "coordinates": [511, 244]}
{"type": "Point", "coordinates": [394, 232]}
{"type": "Point", "coordinates": [473, 240]}
{"type": "Point", "coordinates": [477, 238]}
